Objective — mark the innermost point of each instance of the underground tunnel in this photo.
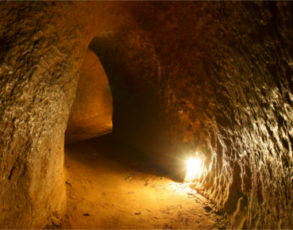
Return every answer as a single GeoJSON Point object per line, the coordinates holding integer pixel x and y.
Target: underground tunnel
{"type": "Point", "coordinates": [127, 115]}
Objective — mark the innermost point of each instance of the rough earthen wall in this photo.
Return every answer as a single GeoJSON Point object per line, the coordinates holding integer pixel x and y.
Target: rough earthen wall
{"type": "Point", "coordinates": [228, 68]}
{"type": "Point", "coordinates": [212, 77]}
{"type": "Point", "coordinates": [35, 70]}
{"type": "Point", "coordinates": [42, 49]}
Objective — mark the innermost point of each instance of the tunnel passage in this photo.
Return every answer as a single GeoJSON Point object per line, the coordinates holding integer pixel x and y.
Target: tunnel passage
{"type": "Point", "coordinates": [111, 108]}
{"type": "Point", "coordinates": [91, 113]}
{"type": "Point", "coordinates": [140, 102]}
{"type": "Point", "coordinates": [111, 99]}
{"type": "Point", "coordinates": [223, 72]}
{"type": "Point", "coordinates": [113, 181]}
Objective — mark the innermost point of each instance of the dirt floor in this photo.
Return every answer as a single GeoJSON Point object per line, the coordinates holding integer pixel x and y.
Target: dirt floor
{"type": "Point", "coordinates": [123, 193]}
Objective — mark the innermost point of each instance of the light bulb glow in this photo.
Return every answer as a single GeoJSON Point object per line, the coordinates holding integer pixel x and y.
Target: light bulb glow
{"type": "Point", "coordinates": [194, 168]}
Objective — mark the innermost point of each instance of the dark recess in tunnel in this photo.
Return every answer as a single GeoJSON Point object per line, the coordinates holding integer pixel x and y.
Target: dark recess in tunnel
{"type": "Point", "coordinates": [137, 106]}
{"type": "Point", "coordinates": [136, 110]}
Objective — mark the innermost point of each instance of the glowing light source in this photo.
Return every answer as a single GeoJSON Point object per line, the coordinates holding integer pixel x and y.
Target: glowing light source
{"type": "Point", "coordinates": [194, 168]}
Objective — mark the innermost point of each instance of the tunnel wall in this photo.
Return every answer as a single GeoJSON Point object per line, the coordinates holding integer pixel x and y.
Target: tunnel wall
{"type": "Point", "coordinates": [42, 47]}
{"type": "Point", "coordinates": [228, 91]}
{"type": "Point", "coordinates": [224, 83]}
{"type": "Point", "coordinates": [37, 73]}
{"type": "Point", "coordinates": [217, 79]}
{"type": "Point", "coordinates": [209, 77]}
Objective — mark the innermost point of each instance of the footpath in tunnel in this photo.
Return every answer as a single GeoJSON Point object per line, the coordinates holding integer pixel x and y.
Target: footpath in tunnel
{"type": "Point", "coordinates": [105, 193]}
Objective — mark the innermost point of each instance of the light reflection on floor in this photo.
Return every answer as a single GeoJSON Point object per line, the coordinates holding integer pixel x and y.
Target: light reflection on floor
{"type": "Point", "coordinates": [105, 194]}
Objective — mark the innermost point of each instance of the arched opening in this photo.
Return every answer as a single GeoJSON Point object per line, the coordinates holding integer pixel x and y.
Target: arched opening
{"type": "Point", "coordinates": [112, 106]}
{"type": "Point", "coordinates": [138, 107]}
{"type": "Point", "coordinates": [91, 113]}
{"type": "Point", "coordinates": [118, 180]}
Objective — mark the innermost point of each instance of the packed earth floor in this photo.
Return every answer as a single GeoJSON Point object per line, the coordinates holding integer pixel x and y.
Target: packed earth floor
{"type": "Point", "coordinates": [107, 190]}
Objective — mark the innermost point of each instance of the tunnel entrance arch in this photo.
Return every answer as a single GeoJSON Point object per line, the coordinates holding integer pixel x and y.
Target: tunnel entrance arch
{"type": "Point", "coordinates": [91, 113]}
{"type": "Point", "coordinates": [132, 74]}
{"type": "Point", "coordinates": [118, 94]}
{"type": "Point", "coordinates": [130, 92]}
{"type": "Point", "coordinates": [133, 69]}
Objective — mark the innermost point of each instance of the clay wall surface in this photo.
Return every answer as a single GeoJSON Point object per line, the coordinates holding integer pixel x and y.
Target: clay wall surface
{"type": "Point", "coordinates": [185, 76]}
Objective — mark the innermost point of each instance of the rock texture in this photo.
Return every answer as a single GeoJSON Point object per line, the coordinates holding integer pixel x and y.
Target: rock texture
{"type": "Point", "coordinates": [42, 49]}
{"type": "Point", "coordinates": [35, 103]}
{"type": "Point", "coordinates": [185, 76]}
{"type": "Point", "coordinates": [227, 86]}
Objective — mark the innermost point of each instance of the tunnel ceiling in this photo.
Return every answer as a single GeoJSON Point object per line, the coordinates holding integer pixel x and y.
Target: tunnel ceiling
{"type": "Point", "coordinates": [212, 77]}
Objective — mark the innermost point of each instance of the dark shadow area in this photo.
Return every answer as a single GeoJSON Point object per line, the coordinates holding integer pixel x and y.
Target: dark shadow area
{"type": "Point", "coordinates": [139, 119]}
{"type": "Point", "coordinates": [118, 152]}
{"type": "Point", "coordinates": [137, 108]}
{"type": "Point", "coordinates": [139, 139]}
{"type": "Point", "coordinates": [135, 101]}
